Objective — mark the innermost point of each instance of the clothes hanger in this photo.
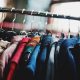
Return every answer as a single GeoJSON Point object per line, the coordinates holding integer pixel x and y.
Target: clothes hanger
{"type": "Point", "coordinates": [57, 35]}
{"type": "Point", "coordinates": [46, 23]}
{"type": "Point", "coordinates": [11, 33]}
{"type": "Point", "coordinates": [78, 33]}
{"type": "Point", "coordinates": [69, 32]}
{"type": "Point", "coordinates": [62, 34]}
{"type": "Point", "coordinates": [37, 33]}
{"type": "Point", "coordinates": [77, 45]}
{"type": "Point", "coordinates": [46, 31]}
{"type": "Point", "coordinates": [2, 31]}
{"type": "Point", "coordinates": [23, 32]}
{"type": "Point", "coordinates": [31, 32]}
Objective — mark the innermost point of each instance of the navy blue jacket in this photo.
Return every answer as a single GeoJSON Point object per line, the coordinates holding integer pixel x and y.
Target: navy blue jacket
{"type": "Point", "coordinates": [65, 67]}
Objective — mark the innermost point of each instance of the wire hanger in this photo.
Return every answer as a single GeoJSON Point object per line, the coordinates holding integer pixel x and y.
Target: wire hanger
{"type": "Point", "coordinates": [12, 28]}
{"type": "Point", "coordinates": [46, 23]}
{"type": "Point", "coordinates": [11, 33]}
{"type": "Point", "coordinates": [38, 29]}
{"type": "Point", "coordinates": [31, 21]}
{"type": "Point", "coordinates": [31, 34]}
{"type": "Point", "coordinates": [45, 30]}
{"type": "Point", "coordinates": [77, 45]}
{"type": "Point", "coordinates": [69, 32]}
{"type": "Point", "coordinates": [23, 32]}
{"type": "Point", "coordinates": [57, 30]}
{"type": "Point", "coordinates": [62, 34]}
{"type": "Point", "coordinates": [2, 31]}
{"type": "Point", "coordinates": [78, 31]}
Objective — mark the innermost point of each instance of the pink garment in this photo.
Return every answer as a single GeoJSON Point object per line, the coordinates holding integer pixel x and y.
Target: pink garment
{"type": "Point", "coordinates": [7, 54]}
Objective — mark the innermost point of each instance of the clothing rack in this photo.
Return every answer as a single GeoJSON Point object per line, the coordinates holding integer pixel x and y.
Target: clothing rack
{"type": "Point", "coordinates": [37, 13]}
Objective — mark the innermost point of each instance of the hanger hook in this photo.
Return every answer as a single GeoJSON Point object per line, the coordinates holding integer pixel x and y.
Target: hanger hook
{"type": "Point", "coordinates": [69, 32]}
{"type": "Point", "coordinates": [52, 15]}
{"type": "Point", "coordinates": [78, 30]}
{"type": "Point", "coordinates": [32, 19]}
{"type": "Point", "coordinates": [13, 18]}
{"type": "Point", "coordinates": [12, 9]}
{"type": "Point", "coordinates": [2, 20]}
{"type": "Point", "coordinates": [32, 12]}
{"type": "Point", "coordinates": [22, 13]}
{"type": "Point", "coordinates": [23, 31]}
{"type": "Point", "coordinates": [45, 23]}
{"type": "Point", "coordinates": [39, 21]}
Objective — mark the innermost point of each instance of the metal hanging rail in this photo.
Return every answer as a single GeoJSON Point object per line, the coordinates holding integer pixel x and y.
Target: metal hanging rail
{"type": "Point", "coordinates": [38, 13]}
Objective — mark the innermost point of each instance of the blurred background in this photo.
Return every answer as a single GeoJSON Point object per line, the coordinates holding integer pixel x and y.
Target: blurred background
{"type": "Point", "coordinates": [65, 7]}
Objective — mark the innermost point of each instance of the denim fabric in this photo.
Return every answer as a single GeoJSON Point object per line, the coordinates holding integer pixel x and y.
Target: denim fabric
{"type": "Point", "coordinates": [46, 40]}
{"type": "Point", "coordinates": [31, 66]}
{"type": "Point", "coordinates": [43, 57]}
{"type": "Point", "coordinates": [65, 67]}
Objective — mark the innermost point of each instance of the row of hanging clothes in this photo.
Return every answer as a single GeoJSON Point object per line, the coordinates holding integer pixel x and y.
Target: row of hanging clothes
{"type": "Point", "coordinates": [19, 56]}
{"type": "Point", "coordinates": [38, 55]}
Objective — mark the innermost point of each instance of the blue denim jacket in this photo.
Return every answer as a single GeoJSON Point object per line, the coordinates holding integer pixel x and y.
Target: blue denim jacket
{"type": "Point", "coordinates": [42, 60]}
{"type": "Point", "coordinates": [31, 66]}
